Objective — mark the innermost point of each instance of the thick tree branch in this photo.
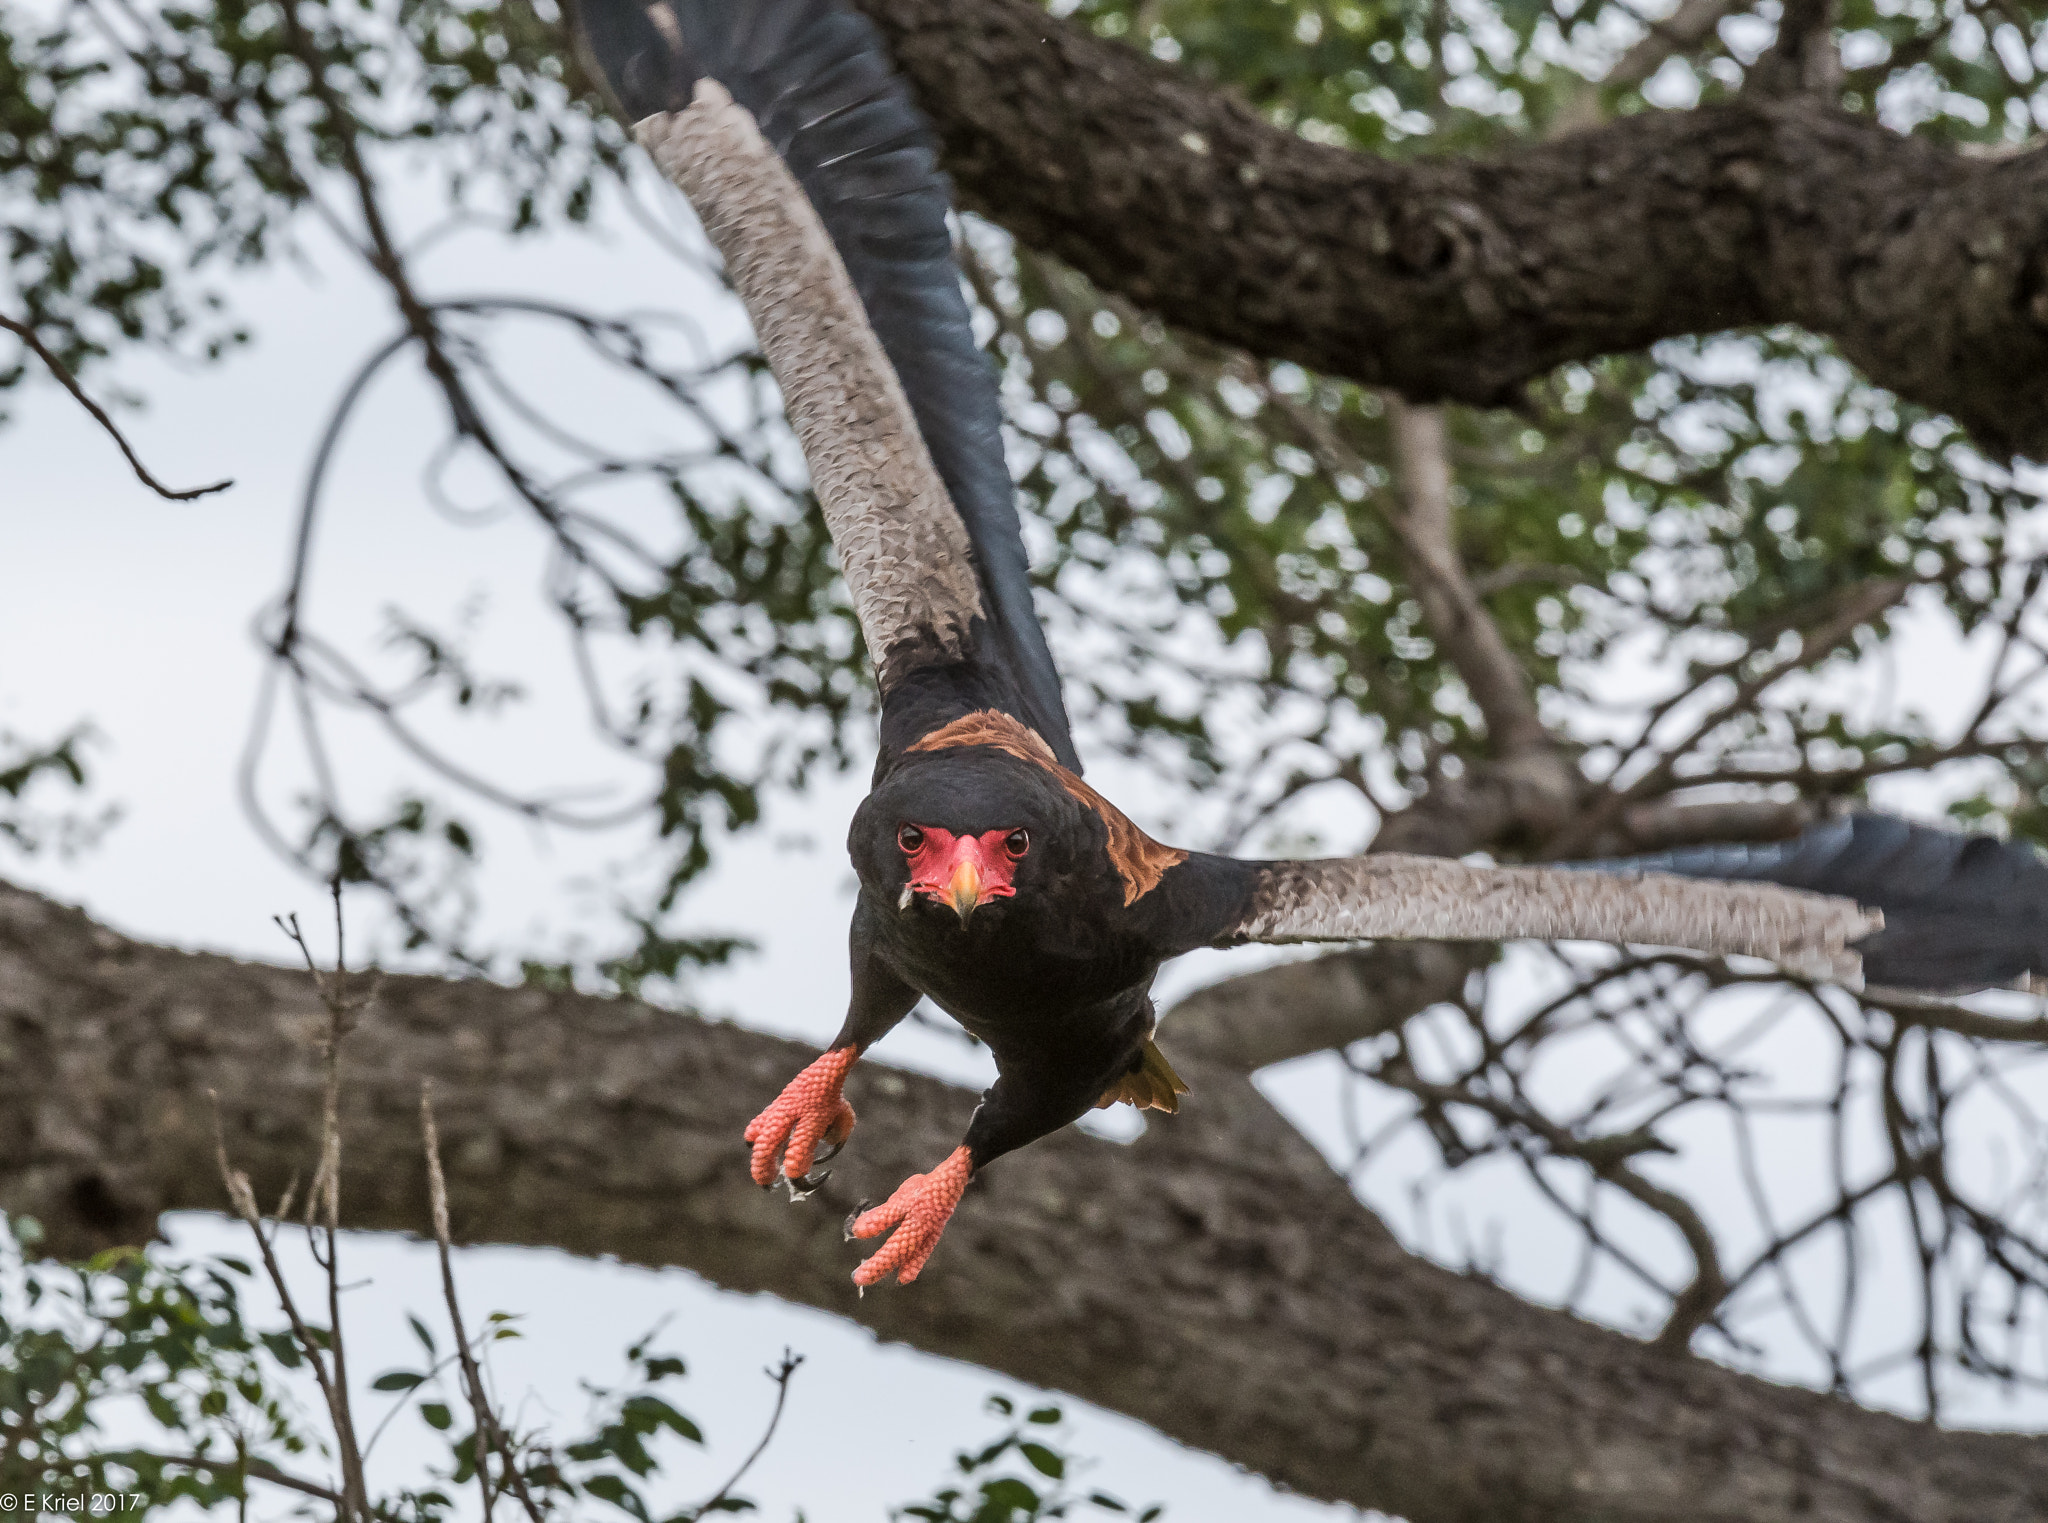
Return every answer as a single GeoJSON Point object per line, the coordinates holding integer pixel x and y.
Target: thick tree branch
{"type": "Point", "coordinates": [1462, 279]}
{"type": "Point", "coordinates": [1215, 1279]}
{"type": "Point", "coordinates": [1297, 1008]}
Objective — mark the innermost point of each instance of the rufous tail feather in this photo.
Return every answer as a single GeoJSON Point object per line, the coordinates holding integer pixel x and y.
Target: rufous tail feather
{"type": "Point", "coordinates": [1150, 1085]}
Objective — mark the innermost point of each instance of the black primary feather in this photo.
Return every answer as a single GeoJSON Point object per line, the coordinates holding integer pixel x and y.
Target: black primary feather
{"type": "Point", "coordinates": [819, 81]}
{"type": "Point", "coordinates": [1960, 911]}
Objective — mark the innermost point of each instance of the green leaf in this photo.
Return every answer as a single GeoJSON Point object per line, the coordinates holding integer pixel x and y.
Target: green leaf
{"type": "Point", "coordinates": [1046, 1415]}
{"type": "Point", "coordinates": [609, 1488]}
{"type": "Point", "coordinates": [1044, 1460]}
{"type": "Point", "coordinates": [1008, 1491]}
{"type": "Point", "coordinates": [397, 1380]}
{"type": "Point", "coordinates": [654, 1411]}
{"type": "Point", "coordinates": [436, 1415]}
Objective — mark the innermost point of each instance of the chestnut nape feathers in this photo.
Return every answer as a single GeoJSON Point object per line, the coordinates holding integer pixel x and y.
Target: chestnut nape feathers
{"type": "Point", "coordinates": [993, 880]}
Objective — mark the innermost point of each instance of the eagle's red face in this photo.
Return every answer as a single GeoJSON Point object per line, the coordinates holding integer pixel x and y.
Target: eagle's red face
{"type": "Point", "coordinates": [964, 871]}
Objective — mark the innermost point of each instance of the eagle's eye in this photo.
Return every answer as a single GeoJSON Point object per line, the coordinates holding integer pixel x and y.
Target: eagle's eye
{"type": "Point", "coordinates": [1017, 842]}
{"type": "Point", "coordinates": [910, 838]}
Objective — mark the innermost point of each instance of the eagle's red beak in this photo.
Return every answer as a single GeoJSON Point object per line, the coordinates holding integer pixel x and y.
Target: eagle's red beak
{"type": "Point", "coordinates": [962, 872]}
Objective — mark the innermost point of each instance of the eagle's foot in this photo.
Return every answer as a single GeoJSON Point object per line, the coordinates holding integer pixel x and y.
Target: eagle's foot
{"type": "Point", "coordinates": [809, 1111]}
{"type": "Point", "coordinates": [919, 1211]}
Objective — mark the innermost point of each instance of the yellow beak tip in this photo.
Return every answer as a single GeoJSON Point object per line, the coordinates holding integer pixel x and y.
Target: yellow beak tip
{"type": "Point", "coordinates": [964, 891]}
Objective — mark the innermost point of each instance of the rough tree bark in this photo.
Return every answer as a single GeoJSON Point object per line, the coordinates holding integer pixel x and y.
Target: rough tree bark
{"type": "Point", "coordinates": [1216, 1279]}
{"type": "Point", "coordinates": [1462, 279]}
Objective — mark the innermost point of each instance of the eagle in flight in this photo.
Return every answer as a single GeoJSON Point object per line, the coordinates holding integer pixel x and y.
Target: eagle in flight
{"type": "Point", "coordinates": [993, 879]}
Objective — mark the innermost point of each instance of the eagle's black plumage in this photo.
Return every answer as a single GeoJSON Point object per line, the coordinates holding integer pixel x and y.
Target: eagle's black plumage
{"type": "Point", "coordinates": [1960, 911]}
{"type": "Point", "coordinates": [992, 878]}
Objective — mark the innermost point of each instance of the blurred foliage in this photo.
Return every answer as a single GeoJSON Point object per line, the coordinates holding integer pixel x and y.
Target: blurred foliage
{"type": "Point", "coordinates": [131, 1384]}
{"type": "Point", "coordinates": [1021, 1476]}
{"type": "Point", "coordinates": [33, 767]}
{"type": "Point", "coordinates": [126, 1342]}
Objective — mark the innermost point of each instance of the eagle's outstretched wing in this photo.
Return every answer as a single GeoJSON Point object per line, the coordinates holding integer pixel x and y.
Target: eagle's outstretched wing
{"type": "Point", "coordinates": [1960, 911]}
{"type": "Point", "coordinates": [1915, 906]}
{"type": "Point", "coordinates": [1393, 896]}
{"type": "Point", "coordinates": [817, 178]}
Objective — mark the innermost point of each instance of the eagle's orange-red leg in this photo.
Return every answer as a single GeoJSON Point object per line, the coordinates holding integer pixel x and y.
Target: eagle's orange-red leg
{"type": "Point", "coordinates": [809, 1111]}
{"type": "Point", "coordinates": [918, 1211]}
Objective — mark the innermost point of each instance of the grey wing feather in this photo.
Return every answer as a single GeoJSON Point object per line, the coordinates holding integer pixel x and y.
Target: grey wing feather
{"type": "Point", "coordinates": [817, 78]}
{"type": "Point", "coordinates": [1960, 911]}
{"type": "Point", "coordinates": [1392, 896]}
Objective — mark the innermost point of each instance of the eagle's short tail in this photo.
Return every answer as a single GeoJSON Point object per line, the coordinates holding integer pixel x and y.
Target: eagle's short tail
{"type": "Point", "coordinates": [1151, 1084]}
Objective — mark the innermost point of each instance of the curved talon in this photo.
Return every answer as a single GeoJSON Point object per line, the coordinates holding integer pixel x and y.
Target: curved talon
{"type": "Point", "coordinates": [805, 1188]}
{"type": "Point", "coordinates": [854, 1216]}
{"type": "Point", "coordinates": [918, 1213]}
{"type": "Point", "coordinates": [809, 1111]}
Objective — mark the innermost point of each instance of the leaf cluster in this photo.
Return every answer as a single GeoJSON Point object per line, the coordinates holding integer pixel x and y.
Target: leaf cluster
{"type": "Point", "coordinates": [1020, 1476]}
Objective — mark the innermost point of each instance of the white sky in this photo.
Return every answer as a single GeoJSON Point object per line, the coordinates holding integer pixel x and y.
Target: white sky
{"type": "Point", "coordinates": [135, 613]}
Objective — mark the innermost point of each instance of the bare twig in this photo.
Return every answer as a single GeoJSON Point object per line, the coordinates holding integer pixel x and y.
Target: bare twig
{"type": "Point", "coordinates": [1862, 604]}
{"type": "Point", "coordinates": [323, 1199]}
{"type": "Point", "coordinates": [490, 1434]}
{"type": "Point", "coordinates": [69, 382]}
{"type": "Point", "coordinates": [780, 1375]}
{"type": "Point", "coordinates": [355, 1495]}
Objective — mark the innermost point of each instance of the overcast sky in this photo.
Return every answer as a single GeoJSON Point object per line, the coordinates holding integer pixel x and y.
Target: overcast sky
{"type": "Point", "coordinates": [135, 614]}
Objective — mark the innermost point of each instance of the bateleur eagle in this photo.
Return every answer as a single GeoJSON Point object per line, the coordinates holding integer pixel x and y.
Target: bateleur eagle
{"type": "Point", "coordinates": [992, 878]}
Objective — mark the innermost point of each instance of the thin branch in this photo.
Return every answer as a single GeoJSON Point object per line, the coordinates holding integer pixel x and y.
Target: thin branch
{"type": "Point", "coordinates": [489, 1432]}
{"type": "Point", "coordinates": [780, 1375]}
{"type": "Point", "coordinates": [243, 1199]}
{"type": "Point", "coordinates": [261, 1470]}
{"type": "Point", "coordinates": [64, 376]}
{"type": "Point", "coordinates": [1864, 603]}
{"type": "Point", "coordinates": [1457, 619]}
{"type": "Point", "coordinates": [1804, 59]}
{"type": "Point", "coordinates": [1685, 29]}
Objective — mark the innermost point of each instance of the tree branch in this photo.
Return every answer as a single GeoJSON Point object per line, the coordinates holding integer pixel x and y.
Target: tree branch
{"type": "Point", "coordinates": [1457, 619]}
{"type": "Point", "coordinates": [1259, 1019]}
{"type": "Point", "coordinates": [1188, 1280]}
{"type": "Point", "coordinates": [1460, 279]}
{"type": "Point", "coordinates": [69, 382]}
{"type": "Point", "coordinates": [1803, 60]}
{"type": "Point", "coordinates": [1685, 29]}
